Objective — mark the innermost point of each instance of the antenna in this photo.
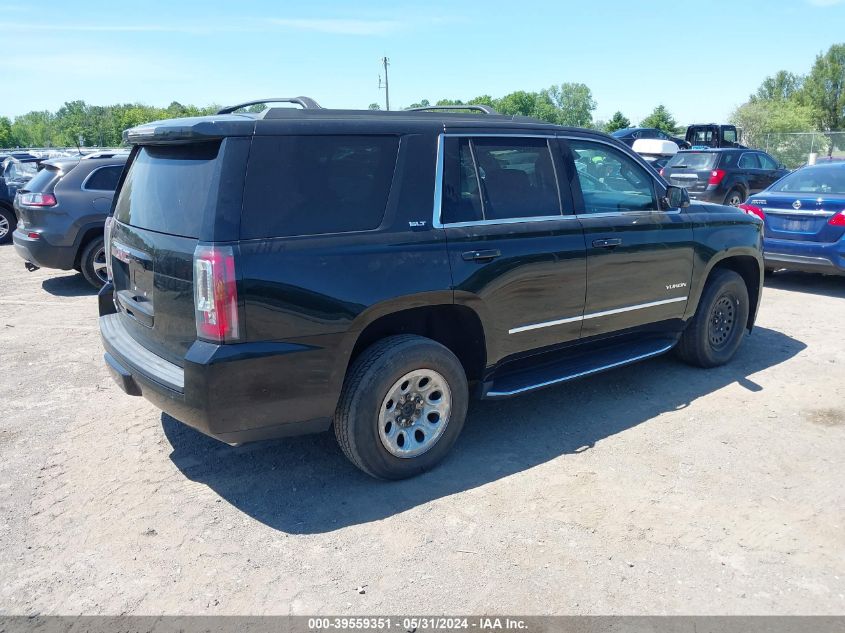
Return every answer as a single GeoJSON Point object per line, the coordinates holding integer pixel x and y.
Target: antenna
{"type": "Point", "coordinates": [386, 87]}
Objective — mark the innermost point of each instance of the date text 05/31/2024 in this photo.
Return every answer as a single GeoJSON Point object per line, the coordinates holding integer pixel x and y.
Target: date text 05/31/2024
{"type": "Point", "coordinates": [432, 623]}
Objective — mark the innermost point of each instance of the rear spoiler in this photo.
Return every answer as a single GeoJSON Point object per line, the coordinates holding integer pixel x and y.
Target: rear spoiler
{"type": "Point", "coordinates": [192, 129]}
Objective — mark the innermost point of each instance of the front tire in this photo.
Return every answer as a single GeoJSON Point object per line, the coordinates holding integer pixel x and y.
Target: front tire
{"type": "Point", "coordinates": [718, 327]}
{"type": "Point", "coordinates": [8, 222]}
{"type": "Point", "coordinates": [92, 262]}
{"type": "Point", "coordinates": [402, 407]}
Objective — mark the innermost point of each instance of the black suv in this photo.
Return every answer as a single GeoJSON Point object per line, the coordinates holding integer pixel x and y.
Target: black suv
{"type": "Point", "coordinates": [724, 176]}
{"type": "Point", "coordinates": [280, 273]}
{"type": "Point", "coordinates": [62, 211]}
{"type": "Point", "coordinates": [15, 171]}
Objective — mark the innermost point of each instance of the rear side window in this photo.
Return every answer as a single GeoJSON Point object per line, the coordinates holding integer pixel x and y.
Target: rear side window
{"type": "Point", "coordinates": [498, 179]}
{"type": "Point", "coordinates": [309, 185]}
{"type": "Point", "coordinates": [168, 188]}
{"type": "Point", "coordinates": [103, 179]}
{"type": "Point", "coordinates": [43, 181]}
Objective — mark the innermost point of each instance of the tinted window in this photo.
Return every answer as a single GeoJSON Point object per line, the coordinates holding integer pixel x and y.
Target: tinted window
{"type": "Point", "coordinates": [306, 185]}
{"type": "Point", "coordinates": [42, 182]}
{"type": "Point", "coordinates": [168, 188]}
{"type": "Point", "coordinates": [693, 160]}
{"type": "Point", "coordinates": [748, 161]}
{"type": "Point", "coordinates": [729, 136]}
{"type": "Point", "coordinates": [516, 177]}
{"type": "Point", "coordinates": [461, 193]}
{"type": "Point", "coordinates": [610, 180]}
{"type": "Point", "coordinates": [104, 179]}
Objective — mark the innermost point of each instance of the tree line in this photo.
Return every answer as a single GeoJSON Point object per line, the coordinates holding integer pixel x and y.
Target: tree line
{"type": "Point", "coordinates": [785, 102]}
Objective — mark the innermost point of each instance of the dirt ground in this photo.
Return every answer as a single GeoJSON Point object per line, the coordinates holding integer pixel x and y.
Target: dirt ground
{"type": "Point", "coordinates": [657, 488]}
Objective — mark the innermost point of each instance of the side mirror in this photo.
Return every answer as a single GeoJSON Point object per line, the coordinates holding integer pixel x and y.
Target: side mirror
{"type": "Point", "coordinates": [677, 197]}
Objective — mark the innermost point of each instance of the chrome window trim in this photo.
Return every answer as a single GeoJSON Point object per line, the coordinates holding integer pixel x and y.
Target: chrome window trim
{"type": "Point", "coordinates": [94, 171]}
{"type": "Point", "coordinates": [438, 182]}
{"type": "Point", "coordinates": [596, 315]}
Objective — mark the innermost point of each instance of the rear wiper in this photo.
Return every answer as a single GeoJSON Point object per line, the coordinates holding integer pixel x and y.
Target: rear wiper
{"type": "Point", "coordinates": [680, 166]}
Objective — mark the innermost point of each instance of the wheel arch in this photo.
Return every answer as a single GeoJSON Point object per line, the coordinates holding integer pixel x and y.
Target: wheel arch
{"type": "Point", "coordinates": [86, 234]}
{"type": "Point", "coordinates": [456, 327]}
{"type": "Point", "coordinates": [748, 265]}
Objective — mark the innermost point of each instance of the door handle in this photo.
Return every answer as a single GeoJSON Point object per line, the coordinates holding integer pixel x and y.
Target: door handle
{"type": "Point", "coordinates": [481, 256]}
{"type": "Point", "coordinates": [608, 243]}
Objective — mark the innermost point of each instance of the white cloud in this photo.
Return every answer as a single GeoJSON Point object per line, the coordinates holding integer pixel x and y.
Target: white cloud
{"type": "Point", "coordinates": [341, 26]}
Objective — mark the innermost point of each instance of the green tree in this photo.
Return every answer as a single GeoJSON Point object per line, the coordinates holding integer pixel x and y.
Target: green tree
{"type": "Point", "coordinates": [617, 122]}
{"type": "Point", "coordinates": [574, 102]}
{"type": "Point", "coordinates": [766, 124]}
{"type": "Point", "coordinates": [374, 106]}
{"type": "Point", "coordinates": [517, 103]}
{"type": "Point", "coordinates": [824, 89]}
{"type": "Point", "coordinates": [781, 86]}
{"type": "Point", "coordinates": [423, 103]}
{"type": "Point", "coordinates": [6, 132]}
{"type": "Point", "coordinates": [661, 119]}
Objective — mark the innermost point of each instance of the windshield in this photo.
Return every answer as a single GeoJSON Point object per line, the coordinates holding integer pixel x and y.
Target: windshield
{"type": "Point", "coordinates": [693, 160]}
{"type": "Point", "coordinates": [814, 180]}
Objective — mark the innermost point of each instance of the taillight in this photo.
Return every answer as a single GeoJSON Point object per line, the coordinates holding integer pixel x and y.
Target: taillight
{"type": "Point", "coordinates": [107, 239]}
{"type": "Point", "coordinates": [838, 219]}
{"type": "Point", "coordinates": [716, 176]}
{"type": "Point", "coordinates": [216, 293]}
{"type": "Point", "coordinates": [750, 209]}
{"type": "Point", "coordinates": [38, 199]}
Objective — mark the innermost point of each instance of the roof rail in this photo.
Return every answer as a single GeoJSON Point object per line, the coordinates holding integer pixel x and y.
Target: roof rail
{"type": "Point", "coordinates": [306, 102]}
{"type": "Point", "coordinates": [471, 106]}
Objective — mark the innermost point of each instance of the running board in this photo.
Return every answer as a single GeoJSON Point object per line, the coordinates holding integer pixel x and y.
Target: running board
{"type": "Point", "coordinates": [577, 365]}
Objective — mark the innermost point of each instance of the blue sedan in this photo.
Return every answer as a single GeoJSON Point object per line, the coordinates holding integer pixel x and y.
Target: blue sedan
{"type": "Point", "coordinates": [804, 216]}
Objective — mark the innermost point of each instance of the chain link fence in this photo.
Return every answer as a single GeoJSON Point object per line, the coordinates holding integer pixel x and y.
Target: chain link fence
{"type": "Point", "coordinates": [796, 148]}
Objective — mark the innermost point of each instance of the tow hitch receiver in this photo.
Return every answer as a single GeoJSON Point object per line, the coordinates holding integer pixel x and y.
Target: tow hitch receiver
{"type": "Point", "coordinates": [31, 267]}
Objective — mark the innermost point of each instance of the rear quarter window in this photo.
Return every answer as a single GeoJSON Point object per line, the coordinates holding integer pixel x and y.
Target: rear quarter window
{"type": "Point", "coordinates": [104, 178]}
{"type": "Point", "coordinates": [309, 185]}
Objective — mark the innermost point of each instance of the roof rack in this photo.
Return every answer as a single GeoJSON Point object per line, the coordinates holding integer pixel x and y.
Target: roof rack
{"type": "Point", "coordinates": [306, 102]}
{"type": "Point", "coordinates": [472, 106]}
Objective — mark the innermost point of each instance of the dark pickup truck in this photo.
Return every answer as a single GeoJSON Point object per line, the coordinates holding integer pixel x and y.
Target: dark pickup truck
{"type": "Point", "coordinates": [296, 270]}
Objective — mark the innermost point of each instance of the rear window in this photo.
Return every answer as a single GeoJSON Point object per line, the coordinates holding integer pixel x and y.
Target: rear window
{"type": "Point", "coordinates": [693, 160]}
{"type": "Point", "coordinates": [168, 188]}
{"type": "Point", "coordinates": [43, 181]}
{"type": "Point", "coordinates": [307, 185]}
{"type": "Point", "coordinates": [825, 179]}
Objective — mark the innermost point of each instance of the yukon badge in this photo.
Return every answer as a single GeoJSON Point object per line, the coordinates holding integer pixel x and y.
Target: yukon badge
{"type": "Point", "coordinates": [674, 286]}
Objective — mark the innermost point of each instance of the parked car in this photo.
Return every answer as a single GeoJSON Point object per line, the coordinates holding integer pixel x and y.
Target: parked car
{"type": "Point", "coordinates": [724, 176]}
{"type": "Point", "coordinates": [700, 135]}
{"type": "Point", "coordinates": [631, 134]}
{"type": "Point", "coordinates": [804, 217]}
{"type": "Point", "coordinates": [279, 273]}
{"type": "Point", "coordinates": [62, 212]}
{"type": "Point", "coordinates": [15, 171]}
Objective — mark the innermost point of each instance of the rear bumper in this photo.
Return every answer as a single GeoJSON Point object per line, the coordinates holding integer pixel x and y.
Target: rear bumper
{"type": "Point", "coordinates": [41, 253]}
{"type": "Point", "coordinates": [812, 257]}
{"type": "Point", "coordinates": [234, 393]}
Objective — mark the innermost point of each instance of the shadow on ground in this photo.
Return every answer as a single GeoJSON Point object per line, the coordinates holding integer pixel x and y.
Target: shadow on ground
{"type": "Point", "coordinates": [826, 285]}
{"type": "Point", "coordinates": [305, 484]}
{"type": "Point", "coordinates": [68, 286]}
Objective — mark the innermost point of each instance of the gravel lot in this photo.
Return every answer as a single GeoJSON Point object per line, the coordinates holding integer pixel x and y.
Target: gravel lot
{"type": "Point", "coordinates": [657, 488]}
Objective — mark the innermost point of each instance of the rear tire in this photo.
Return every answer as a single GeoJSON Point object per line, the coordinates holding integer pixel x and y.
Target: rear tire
{"type": "Point", "coordinates": [718, 327]}
{"type": "Point", "coordinates": [402, 407]}
{"type": "Point", "coordinates": [93, 262]}
{"type": "Point", "coordinates": [734, 198]}
{"type": "Point", "coordinates": [8, 222]}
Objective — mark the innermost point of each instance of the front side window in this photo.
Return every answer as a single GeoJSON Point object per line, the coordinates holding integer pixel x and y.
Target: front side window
{"type": "Point", "coordinates": [767, 161]}
{"type": "Point", "coordinates": [611, 181]}
{"type": "Point", "coordinates": [498, 178]}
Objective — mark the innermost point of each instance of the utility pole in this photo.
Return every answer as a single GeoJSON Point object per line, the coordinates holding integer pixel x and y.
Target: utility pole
{"type": "Point", "coordinates": [386, 62]}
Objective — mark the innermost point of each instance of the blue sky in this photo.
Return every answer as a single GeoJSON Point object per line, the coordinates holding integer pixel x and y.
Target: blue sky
{"type": "Point", "coordinates": [633, 55]}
